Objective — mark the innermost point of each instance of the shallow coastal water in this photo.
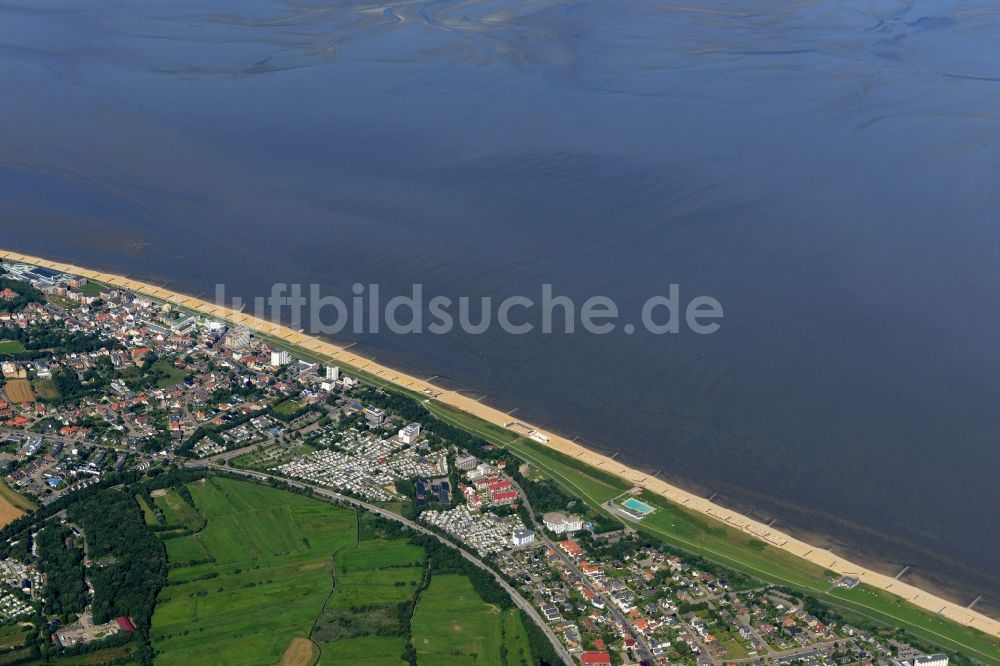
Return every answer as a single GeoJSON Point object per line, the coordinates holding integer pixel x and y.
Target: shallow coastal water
{"type": "Point", "coordinates": [826, 170]}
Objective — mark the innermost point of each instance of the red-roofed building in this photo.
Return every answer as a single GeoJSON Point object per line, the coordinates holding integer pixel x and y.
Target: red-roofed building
{"type": "Point", "coordinates": [571, 547]}
{"type": "Point", "coordinates": [497, 485]}
{"type": "Point", "coordinates": [597, 658]}
{"type": "Point", "coordinates": [504, 497]}
{"type": "Point", "coordinates": [125, 624]}
{"type": "Point", "coordinates": [140, 353]}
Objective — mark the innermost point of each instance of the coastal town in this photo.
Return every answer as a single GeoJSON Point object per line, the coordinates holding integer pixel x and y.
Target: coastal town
{"type": "Point", "coordinates": [101, 381]}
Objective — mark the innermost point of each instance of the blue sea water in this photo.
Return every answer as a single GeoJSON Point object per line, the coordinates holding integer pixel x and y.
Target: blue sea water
{"type": "Point", "coordinates": [826, 169]}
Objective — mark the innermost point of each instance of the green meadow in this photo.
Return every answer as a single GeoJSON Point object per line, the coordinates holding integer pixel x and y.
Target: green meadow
{"type": "Point", "coordinates": [271, 575]}
{"type": "Point", "coordinates": [364, 651]}
{"type": "Point", "coordinates": [148, 515]}
{"type": "Point", "coordinates": [453, 626]}
{"type": "Point", "coordinates": [375, 582]}
{"type": "Point", "coordinates": [377, 573]}
{"type": "Point", "coordinates": [176, 511]}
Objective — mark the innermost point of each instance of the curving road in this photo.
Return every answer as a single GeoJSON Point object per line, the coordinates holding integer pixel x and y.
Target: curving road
{"type": "Point", "coordinates": [519, 600]}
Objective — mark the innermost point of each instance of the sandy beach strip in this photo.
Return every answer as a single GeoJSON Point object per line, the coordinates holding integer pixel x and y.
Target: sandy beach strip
{"type": "Point", "coordinates": [821, 557]}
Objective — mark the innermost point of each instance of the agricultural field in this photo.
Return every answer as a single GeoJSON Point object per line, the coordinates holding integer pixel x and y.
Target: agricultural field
{"type": "Point", "coordinates": [271, 574]}
{"type": "Point", "coordinates": [364, 651]}
{"type": "Point", "coordinates": [377, 573]}
{"type": "Point", "coordinates": [453, 626]}
{"type": "Point", "coordinates": [11, 496]}
{"type": "Point", "coordinates": [12, 637]}
{"type": "Point", "coordinates": [300, 652]}
{"type": "Point", "coordinates": [12, 505]}
{"type": "Point", "coordinates": [113, 655]}
{"type": "Point", "coordinates": [19, 390]}
{"type": "Point", "coordinates": [186, 550]}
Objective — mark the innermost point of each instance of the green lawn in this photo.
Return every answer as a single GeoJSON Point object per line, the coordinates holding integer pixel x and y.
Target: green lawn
{"type": "Point", "coordinates": [454, 626]}
{"type": "Point", "coordinates": [62, 301]}
{"type": "Point", "coordinates": [572, 475]}
{"type": "Point", "coordinates": [173, 374]}
{"type": "Point", "coordinates": [734, 649]}
{"type": "Point", "coordinates": [11, 347]}
{"type": "Point", "coordinates": [699, 534]}
{"type": "Point", "coordinates": [92, 288]}
{"type": "Point", "coordinates": [273, 552]}
{"type": "Point", "coordinates": [286, 408]}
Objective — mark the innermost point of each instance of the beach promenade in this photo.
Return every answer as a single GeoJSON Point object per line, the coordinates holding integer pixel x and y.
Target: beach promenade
{"type": "Point", "coordinates": [820, 557]}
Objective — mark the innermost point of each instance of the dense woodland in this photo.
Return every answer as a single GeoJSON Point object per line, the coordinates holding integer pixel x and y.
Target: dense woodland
{"type": "Point", "coordinates": [130, 563]}
{"type": "Point", "coordinates": [60, 557]}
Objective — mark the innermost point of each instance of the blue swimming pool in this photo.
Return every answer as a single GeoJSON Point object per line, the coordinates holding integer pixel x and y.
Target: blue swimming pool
{"type": "Point", "coordinates": [636, 505]}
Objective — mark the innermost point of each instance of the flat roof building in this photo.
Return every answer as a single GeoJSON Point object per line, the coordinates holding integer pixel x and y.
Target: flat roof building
{"type": "Point", "coordinates": [374, 415]}
{"type": "Point", "coordinates": [465, 462]}
{"type": "Point", "coordinates": [409, 433]}
{"type": "Point", "coordinates": [522, 537]}
{"type": "Point", "coordinates": [560, 523]}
